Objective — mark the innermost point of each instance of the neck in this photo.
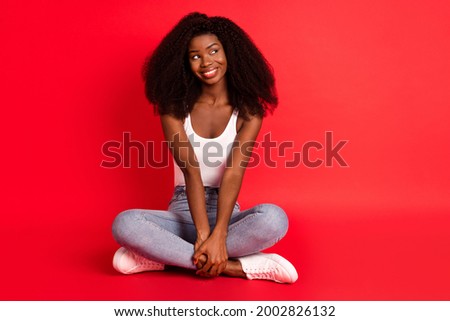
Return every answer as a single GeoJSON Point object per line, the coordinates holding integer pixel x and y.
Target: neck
{"type": "Point", "coordinates": [214, 95]}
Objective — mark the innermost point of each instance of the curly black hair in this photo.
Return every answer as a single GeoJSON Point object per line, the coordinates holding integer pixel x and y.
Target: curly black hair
{"type": "Point", "coordinates": [173, 89]}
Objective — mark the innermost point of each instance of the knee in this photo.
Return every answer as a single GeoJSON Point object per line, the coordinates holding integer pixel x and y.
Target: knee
{"type": "Point", "coordinates": [122, 225]}
{"type": "Point", "coordinates": [275, 218]}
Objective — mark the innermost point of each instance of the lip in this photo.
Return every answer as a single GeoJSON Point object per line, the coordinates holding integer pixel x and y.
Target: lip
{"type": "Point", "coordinates": [209, 73]}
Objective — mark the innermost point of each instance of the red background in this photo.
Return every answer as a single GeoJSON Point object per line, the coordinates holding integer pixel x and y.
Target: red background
{"type": "Point", "coordinates": [375, 73]}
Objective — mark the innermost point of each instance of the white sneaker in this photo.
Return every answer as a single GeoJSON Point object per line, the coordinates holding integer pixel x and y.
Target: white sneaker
{"type": "Point", "coordinates": [268, 267]}
{"type": "Point", "coordinates": [128, 262]}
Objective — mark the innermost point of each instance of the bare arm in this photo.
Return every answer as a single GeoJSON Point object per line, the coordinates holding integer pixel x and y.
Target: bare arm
{"type": "Point", "coordinates": [185, 158]}
{"type": "Point", "coordinates": [234, 173]}
{"type": "Point", "coordinates": [215, 246]}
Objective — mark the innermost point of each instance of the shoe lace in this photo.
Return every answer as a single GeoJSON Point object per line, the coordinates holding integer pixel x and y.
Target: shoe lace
{"type": "Point", "coordinates": [142, 261]}
{"type": "Point", "coordinates": [265, 272]}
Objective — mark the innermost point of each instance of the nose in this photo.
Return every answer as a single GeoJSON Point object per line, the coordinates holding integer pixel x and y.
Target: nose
{"type": "Point", "coordinates": [206, 61]}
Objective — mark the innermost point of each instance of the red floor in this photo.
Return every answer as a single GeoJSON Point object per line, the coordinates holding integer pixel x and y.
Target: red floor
{"type": "Point", "coordinates": [376, 256]}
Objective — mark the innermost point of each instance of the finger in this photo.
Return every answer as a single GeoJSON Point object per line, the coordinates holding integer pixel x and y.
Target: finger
{"type": "Point", "coordinates": [213, 270]}
{"type": "Point", "coordinates": [202, 260]}
{"type": "Point", "coordinates": [219, 269]}
{"type": "Point", "coordinates": [196, 256]}
{"type": "Point", "coordinates": [222, 268]}
{"type": "Point", "coordinates": [207, 266]}
{"type": "Point", "coordinates": [203, 274]}
{"type": "Point", "coordinates": [201, 250]}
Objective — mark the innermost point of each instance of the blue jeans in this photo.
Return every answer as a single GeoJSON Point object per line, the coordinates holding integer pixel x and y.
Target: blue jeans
{"type": "Point", "coordinates": [168, 237]}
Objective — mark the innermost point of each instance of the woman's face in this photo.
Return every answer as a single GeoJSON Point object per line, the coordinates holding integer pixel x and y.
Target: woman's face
{"type": "Point", "coordinates": [207, 59]}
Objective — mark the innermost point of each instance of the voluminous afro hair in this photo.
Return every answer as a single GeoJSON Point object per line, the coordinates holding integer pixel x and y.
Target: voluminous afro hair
{"type": "Point", "coordinates": [173, 89]}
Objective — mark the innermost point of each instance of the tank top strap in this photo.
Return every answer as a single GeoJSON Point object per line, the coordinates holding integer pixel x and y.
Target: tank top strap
{"type": "Point", "coordinates": [187, 123]}
{"type": "Point", "coordinates": [233, 122]}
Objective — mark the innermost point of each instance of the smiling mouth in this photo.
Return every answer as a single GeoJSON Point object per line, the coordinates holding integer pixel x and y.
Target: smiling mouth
{"type": "Point", "coordinates": [210, 73]}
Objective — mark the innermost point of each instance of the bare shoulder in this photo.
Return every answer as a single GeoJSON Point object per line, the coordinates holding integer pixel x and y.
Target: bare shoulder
{"type": "Point", "coordinates": [172, 125]}
{"type": "Point", "coordinates": [253, 121]}
{"type": "Point", "coordinates": [170, 120]}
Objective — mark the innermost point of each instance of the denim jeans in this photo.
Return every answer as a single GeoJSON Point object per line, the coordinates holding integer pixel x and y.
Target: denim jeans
{"type": "Point", "coordinates": [168, 237]}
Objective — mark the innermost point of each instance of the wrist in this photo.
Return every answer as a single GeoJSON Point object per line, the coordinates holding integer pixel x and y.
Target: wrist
{"type": "Point", "coordinates": [220, 233]}
{"type": "Point", "coordinates": [203, 234]}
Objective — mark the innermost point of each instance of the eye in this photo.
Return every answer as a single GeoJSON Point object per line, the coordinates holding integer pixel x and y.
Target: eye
{"type": "Point", "coordinates": [195, 57]}
{"type": "Point", "coordinates": [214, 51]}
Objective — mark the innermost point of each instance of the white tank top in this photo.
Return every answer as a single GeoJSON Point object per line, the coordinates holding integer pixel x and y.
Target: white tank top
{"type": "Point", "coordinates": [211, 153]}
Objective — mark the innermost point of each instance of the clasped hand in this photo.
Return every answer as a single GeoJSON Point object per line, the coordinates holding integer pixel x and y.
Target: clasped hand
{"type": "Point", "coordinates": [210, 255]}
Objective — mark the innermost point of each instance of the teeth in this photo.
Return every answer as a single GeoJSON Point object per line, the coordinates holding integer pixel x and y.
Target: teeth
{"type": "Point", "coordinates": [209, 72]}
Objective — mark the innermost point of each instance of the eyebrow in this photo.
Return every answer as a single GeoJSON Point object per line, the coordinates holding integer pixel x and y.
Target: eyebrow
{"type": "Point", "coordinates": [214, 43]}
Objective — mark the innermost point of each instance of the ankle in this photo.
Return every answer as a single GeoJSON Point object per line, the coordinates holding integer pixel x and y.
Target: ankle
{"type": "Point", "coordinates": [234, 269]}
